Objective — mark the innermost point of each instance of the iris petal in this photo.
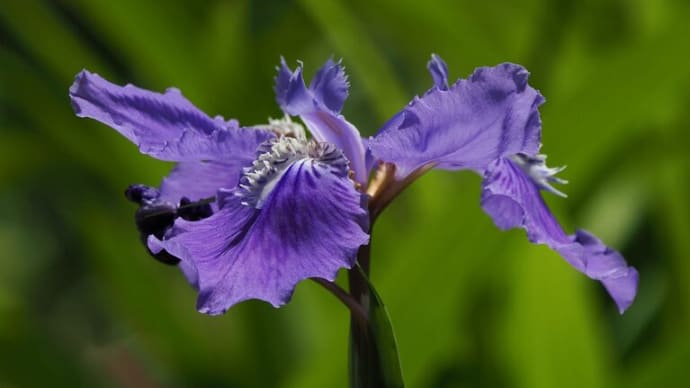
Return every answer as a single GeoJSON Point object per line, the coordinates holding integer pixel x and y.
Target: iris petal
{"type": "Point", "coordinates": [512, 200]}
{"type": "Point", "coordinates": [166, 126]}
{"type": "Point", "coordinates": [199, 180]}
{"type": "Point", "coordinates": [439, 71]}
{"type": "Point", "coordinates": [330, 85]}
{"type": "Point", "coordinates": [491, 114]}
{"type": "Point", "coordinates": [311, 225]}
{"type": "Point", "coordinates": [319, 107]}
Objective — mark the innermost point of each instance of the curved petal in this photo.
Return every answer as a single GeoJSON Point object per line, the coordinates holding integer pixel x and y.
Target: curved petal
{"type": "Point", "coordinates": [491, 114]}
{"type": "Point", "coordinates": [330, 85]}
{"type": "Point", "coordinates": [512, 199]}
{"type": "Point", "coordinates": [319, 107]}
{"type": "Point", "coordinates": [439, 71]}
{"type": "Point", "coordinates": [311, 225]}
{"type": "Point", "coordinates": [166, 126]}
{"type": "Point", "coordinates": [199, 180]}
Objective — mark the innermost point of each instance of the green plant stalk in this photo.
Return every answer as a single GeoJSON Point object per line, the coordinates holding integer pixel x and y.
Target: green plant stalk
{"type": "Point", "coordinates": [362, 352]}
{"type": "Point", "coordinates": [373, 354]}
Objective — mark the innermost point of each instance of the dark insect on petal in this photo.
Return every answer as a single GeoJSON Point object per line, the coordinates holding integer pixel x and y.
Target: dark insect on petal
{"type": "Point", "coordinates": [140, 194]}
{"type": "Point", "coordinates": [164, 257]}
{"type": "Point", "coordinates": [193, 211]}
{"type": "Point", "coordinates": [156, 220]}
{"type": "Point", "coordinates": [156, 216]}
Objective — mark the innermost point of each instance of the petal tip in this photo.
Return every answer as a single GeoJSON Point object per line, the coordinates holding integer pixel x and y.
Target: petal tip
{"type": "Point", "coordinates": [625, 289]}
{"type": "Point", "coordinates": [520, 77]}
{"type": "Point", "coordinates": [75, 90]}
{"type": "Point", "coordinates": [330, 85]}
{"type": "Point", "coordinates": [439, 71]}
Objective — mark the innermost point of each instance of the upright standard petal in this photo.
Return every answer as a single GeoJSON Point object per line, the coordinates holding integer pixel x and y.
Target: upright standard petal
{"type": "Point", "coordinates": [166, 126]}
{"type": "Point", "coordinates": [299, 220]}
{"type": "Point", "coordinates": [319, 107]}
{"type": "Point", "coordinates": [491, 114]}
{"type": "Point", "coordinates": [330, 85]}
{"type": "Point", "coordinates": [511, 197]}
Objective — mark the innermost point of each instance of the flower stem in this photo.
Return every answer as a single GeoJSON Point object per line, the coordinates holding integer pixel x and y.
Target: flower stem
{"type": "Point", "coordinates": [373, 359]}
{"type": "Point", "coordinates": [356, 310]}
{"type": "Point", "coordinates": [363, 359]}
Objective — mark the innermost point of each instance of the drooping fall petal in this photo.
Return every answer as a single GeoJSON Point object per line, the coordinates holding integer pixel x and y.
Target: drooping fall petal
{"type": "Point", "coordinates": [305, 220]}
{"type": "Point", "coordinates": [512, 199]}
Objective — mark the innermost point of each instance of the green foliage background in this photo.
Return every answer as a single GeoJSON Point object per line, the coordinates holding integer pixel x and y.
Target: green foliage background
{"type": "Point", "coordinates": [81, 304]}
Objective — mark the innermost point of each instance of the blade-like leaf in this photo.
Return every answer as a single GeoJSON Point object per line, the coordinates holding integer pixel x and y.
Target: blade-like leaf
{"type": "Point", "coordinates": [374, 360]}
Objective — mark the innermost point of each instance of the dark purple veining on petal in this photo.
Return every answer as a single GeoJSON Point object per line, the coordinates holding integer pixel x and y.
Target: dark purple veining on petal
{"type": "Point", "coordinates": [311, 224]}
{"type": "Point", "coordinates": [166, 126]}
{"type": "Point", "coordinates": [274, 157]}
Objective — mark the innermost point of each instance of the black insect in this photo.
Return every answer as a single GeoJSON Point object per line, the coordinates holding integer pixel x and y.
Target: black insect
{"type": "Point", "coordinates": [156, 216]}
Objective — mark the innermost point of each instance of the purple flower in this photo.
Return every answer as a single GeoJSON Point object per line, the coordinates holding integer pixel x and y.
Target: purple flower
{"type": "Point", "coordinates": [489, 123]}
{"type": "Point", "coordinates": [285, 208]}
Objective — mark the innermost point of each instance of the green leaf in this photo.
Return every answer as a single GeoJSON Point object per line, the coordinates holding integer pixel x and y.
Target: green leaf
{"type": "Point", "coordinates": [374, 360]}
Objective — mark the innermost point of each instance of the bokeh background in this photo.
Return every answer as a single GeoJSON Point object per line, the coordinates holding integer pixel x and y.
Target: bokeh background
{"type": "Point", "coordinates": [81, 303]}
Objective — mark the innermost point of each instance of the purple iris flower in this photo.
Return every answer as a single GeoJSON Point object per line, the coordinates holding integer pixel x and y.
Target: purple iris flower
{"type": "Point", "coordinates": [489, 123]}
{"type": "Point", "coordinates": [250, 211]}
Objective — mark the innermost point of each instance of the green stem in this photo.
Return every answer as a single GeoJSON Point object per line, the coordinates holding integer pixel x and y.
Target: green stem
{"type": "Point", "coordinates": [356, 310]}
{"type": "Point", "coordinates": [363, 354]}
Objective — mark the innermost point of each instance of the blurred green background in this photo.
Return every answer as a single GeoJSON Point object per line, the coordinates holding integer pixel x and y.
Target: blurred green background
{"type": "Point", "coordinates": [81, 303]}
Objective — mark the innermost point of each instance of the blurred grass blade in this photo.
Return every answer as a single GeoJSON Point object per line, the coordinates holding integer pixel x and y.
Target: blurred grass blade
{"type": "Point", "coordinates": [64, 53]}
{"type": "Point", "coordinates": [673, 194]}
{"type": "Point", "coordinates": [366, 61]}
{"type": "Point", "coordinates": [158, 43]}
{"type": "Point", "coordinates": [551, 332]}
{"type": "Point", "coordinates": [667, 367]}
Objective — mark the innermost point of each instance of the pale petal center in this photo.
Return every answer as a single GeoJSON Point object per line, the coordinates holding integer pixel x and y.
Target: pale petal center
{"type": "Point", "coordinates": [535, 167]}
{"type": "Point", "coordinates": [276, 156]}
{"type": "Point", "coordinates": [285, 127]}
